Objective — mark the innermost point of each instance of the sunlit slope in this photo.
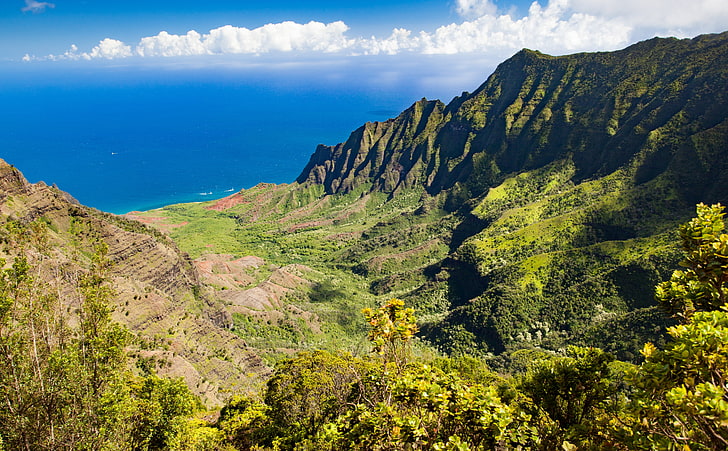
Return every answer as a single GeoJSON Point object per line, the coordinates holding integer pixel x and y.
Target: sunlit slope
{"type": "Point", "coordinates": [537, 211]}
{"type": "Point", "coordinates": [155, 290]}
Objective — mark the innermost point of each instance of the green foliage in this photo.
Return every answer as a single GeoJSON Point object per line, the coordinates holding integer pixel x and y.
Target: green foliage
{"type": "Point", "coordinates": [34, 369]}
{"type": "Point", "coordinates": [101, 340]}
{"type": "Point", "coordinates": [703, 285]}
{"type": "Point", "coordinates": [269, 335]}
{"type": "Point", "coordinates": [312, 389]}
{"type": "Point", "coordinates": [624, 334]}
{"type": "Point", "coordinates": [326, 291]}
{"type": "Point", "coordinates": [571, 391]}
{"type": "Point", "coordinates": [244, 422]}
{"type": "Point", "coordinates": [61, 386]}
{"type": "Point", "coordinates": [430, 409]}
{"type": "Point", "coordinates": [198, 435]}
{"type": "Point", "coordinates": [682, 391]}
{"type": "Point", "coordinates": [64, 380]}
{"type": "Point", "coordinates": [160, 409]}
{"type": "Point", "coordinates": [392, 328]}
{"type": "Point", "coordinates": [677, 399]}
{"type": "Point", "coordinates": [570, 388]}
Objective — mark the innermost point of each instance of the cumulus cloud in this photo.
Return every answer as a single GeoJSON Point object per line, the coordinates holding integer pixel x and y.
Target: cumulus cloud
{"type": "Point", "coordinates": [554, 28]}
{"type": "Point", "coordinates": [280, 37]}
{"type": "Point", "coordinates": [557, 26]}
{"type": "Point", "coordinates": [109, 49]}
{"type": "Point", "coordinates": [106, 49]}
{"type": "Point", "coordinates": [674, 17]}
{"type": "Point", "coordinates": [551, 29]}
{"type": "Point", "coordinates": [36, 7]}
{"type": "Point", "coordinates": [472, 9]}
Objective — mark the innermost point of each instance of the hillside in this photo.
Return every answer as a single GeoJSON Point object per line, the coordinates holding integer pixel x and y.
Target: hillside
{"type": "Point", "coordinates": [537, 211]}
{"type": "Point", "coordinates": [179, 332]}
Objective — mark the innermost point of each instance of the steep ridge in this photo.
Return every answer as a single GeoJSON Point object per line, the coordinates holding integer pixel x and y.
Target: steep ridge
{"type": "Point", "coordinates": [599, 110]}
{"type": "Point", "coordinates": [157, 291]}
{"type": "Point", "coordinates": [390, 155]}
{"type": "Point", "coordinates": [537, 211]}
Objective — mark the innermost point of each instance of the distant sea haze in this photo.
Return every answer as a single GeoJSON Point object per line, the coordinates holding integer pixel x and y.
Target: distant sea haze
{"type": "Point", "coordinates": [138, 143]}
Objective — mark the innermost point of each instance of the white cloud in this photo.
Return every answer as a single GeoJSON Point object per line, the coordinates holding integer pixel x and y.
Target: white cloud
{"type": "Point", "coordinates": [472, 9]}
{"type": "Point", "coordinates": [228, 40]}
{"type": "Point", "coordinates": [556, 26]}
{"type": "Point", "coordinates": [400, 40]}
{"type": "Point", "coordinates": [280, 37]}
{"type": "Point", "coordinates": [36, 7]}
{"type": "Point", "coordinates": [106, 49]}
{"type": "Point", "coordinates": [165, 44]}
{"type": "Point", "coordinates": [673, 17]}
{"type": "Point", "coordinates": [109, 49]}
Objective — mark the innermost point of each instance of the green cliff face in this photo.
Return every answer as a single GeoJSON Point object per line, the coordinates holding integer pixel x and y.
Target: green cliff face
{"type": "Point", "coordinates": [537, 211]}
{"type": "Point", "coordinates": [598, 110]}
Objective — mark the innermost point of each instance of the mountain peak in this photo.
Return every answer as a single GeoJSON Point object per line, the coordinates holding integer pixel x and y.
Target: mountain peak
{"type": "Point", "coordinates": [534, 109]}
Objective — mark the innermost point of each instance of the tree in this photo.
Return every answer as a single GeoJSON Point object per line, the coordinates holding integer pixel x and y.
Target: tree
{"type": "Point", "coordinates": [312, 389]}
{"type": "Point", "coordinates": [392, 328]}
{"type": "Point", "coordinates": [423, 407]}
{"type": "Point", "coordinates": [243, 422]}
{"type": "Point", "coordinates": [703, 285]}
{"type": "Point", "coordinates": [682, 391]}
{"type": "Point", "coordinates": [572, 391]}
{"type": "Point", "coordinates": [100, 347]}
{"type": "Point", "coordinates": [59, 385]}
{"type": "Point", "coordinates": [64, 380]}
{"type": "Point", "coordinates": [681, 397]}
{"type": "Point", "coordinates": [32, 342]}
{"type": "Point", "coordinates": [159, 412]}
{"type": "Point", "coordinates": [431, 410]}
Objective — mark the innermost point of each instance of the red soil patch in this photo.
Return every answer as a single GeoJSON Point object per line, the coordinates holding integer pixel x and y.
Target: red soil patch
{"type": "Point", "coordinates": [227, 202]}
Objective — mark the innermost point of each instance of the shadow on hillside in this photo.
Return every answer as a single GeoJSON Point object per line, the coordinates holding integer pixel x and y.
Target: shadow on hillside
{"type": "Point", "coordinates": [470, 225]}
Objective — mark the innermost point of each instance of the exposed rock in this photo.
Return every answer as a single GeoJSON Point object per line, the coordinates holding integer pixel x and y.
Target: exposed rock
{"type": "Point", "coordinates": [250, 286]}
{"type": "Point", "coordinates": [157, 287]}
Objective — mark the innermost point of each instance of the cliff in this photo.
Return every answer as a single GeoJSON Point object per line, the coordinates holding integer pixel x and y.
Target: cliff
{"type": "Point", "coordinates": [157, 289]}
{"type": "Point", "coordinates": [537, 211]}
{"type": "Point", "coordinates": [598, 110]}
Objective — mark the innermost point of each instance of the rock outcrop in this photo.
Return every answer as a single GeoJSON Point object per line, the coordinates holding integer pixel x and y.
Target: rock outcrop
{"type": "Point", "coordinates": [157, 287]}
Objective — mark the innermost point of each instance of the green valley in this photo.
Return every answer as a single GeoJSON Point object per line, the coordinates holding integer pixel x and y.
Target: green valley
{"type": "Point", "coordinates": [498, 272]}
{"type": "Point", "coordinates": [538, 211]}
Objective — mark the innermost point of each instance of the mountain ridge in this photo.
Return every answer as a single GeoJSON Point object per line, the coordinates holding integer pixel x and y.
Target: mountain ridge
{"type": "Point", "coordinates": [501, 118]}
{"type": "Point", "coordinates": [157, 289]}
{"type": "Point", "coordinates": [535, 211]}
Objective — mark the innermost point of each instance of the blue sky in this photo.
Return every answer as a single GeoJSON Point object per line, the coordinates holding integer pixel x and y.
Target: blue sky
{"type": "Point", "coordinates": [153, 29]}
{"type": "Point", "coordinates": [53, 29]}
{"type": "Point", "coordinates": [443, 46]}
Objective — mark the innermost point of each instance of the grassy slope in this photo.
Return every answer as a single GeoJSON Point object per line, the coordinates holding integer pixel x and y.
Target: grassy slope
{"type": "Point", "coordinates": [347, 241]}
{"type": "Point", "coordinates": [537, 211]}
{"type": "Point", "coordinates": [556, 273]}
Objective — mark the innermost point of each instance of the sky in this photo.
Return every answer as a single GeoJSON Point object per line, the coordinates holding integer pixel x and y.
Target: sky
{"type": "Point", "coordinates": [141, 31]}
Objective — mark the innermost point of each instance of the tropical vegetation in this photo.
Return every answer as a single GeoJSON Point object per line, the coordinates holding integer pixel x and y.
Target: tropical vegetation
{"type": "Point", "coordinates": [476, 275]}
{"type": "Point", "coordinates": [64, 383]}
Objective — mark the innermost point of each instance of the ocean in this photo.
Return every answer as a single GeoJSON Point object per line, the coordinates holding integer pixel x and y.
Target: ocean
{"type": "Point", "coordinates": [136, 139]}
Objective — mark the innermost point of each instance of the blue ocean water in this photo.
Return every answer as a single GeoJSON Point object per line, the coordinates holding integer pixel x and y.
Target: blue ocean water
{"type": "Point", "coordinates": [124, 140]}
